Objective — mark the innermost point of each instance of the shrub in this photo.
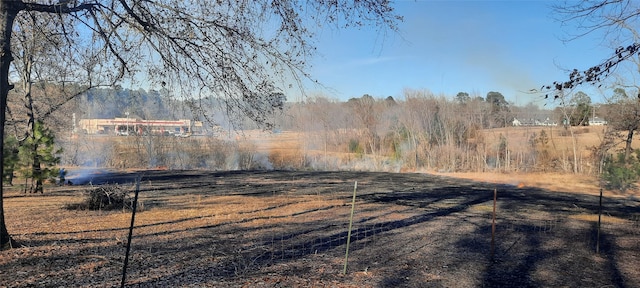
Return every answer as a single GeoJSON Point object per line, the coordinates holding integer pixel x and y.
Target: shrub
{"type": "Point", "coordinates": [105, 197]}
{"type": "Point", "coordinates": [287, 159]}
{"type": "Point", "coordinates": [620, 173]}
{"type": "Point", "coordinates": [354, 146]}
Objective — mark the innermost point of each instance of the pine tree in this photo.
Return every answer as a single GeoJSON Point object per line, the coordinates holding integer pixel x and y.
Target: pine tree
{"type": "Point", "coordinates": [10, 159]}
{"type": "Point", "coordinates": [37, 158]}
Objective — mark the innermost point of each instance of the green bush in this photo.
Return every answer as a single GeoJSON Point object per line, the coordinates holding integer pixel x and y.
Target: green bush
{"type": "Point", "coordinates": [11, 159]}
{"type": "Point", "coordinates": [620, 173]}
{"type": "Point", "coordinates": [354, 147]}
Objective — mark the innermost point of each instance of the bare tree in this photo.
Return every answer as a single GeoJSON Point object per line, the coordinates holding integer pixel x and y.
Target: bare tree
{"type": "Point", "coordinates": [417, 118]}
{"type": "Point", "coordinates": [365, 112]}
{"type": "Point", "coordinates": [240, 51]}
{"type": "Point", "coordinates": [616, 18]}
{"type": "Point", "coordinates": [35, 40]}
{"type": "Point", "coordinates": [624, 116]}
{"type": "Point", "coordinates": [568, 109]}
{"type": "Point", "coordinates": [321, 117]}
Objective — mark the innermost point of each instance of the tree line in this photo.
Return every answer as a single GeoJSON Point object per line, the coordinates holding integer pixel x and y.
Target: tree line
{"type": "Point", "coordinates": [418, 131]}
{"type": "Point", "coordinates": [425, 131]}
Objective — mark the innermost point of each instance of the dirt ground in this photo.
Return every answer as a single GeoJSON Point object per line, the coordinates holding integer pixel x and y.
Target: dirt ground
{"type": "Point", "coordinates": [289, 229]}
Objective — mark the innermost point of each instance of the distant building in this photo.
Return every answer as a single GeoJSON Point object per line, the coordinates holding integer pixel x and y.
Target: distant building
{"type": "Point", "coordinates": [597, 121]}
{"type": "Point", "coordinates": [133, 126]}
{"type": "Point", "coordinates": [548, 122]}
{"type": "Point", "coordinates": [533, 122]}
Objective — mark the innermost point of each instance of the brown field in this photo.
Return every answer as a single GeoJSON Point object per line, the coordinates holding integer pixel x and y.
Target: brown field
{"type": "Point", "coordinates": [560, 141]}
{"type": "Point", "coordinates": [289, 229]}
{"type": "Point", "coordinates": [288, 145]}
{"type": "Point", "coordinates": [559, 137]}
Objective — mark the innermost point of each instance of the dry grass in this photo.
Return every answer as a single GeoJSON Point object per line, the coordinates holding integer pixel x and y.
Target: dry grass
{"type": "Point", "coordinates": [296, 147]}
{"type": "Point", "coordinates": [559, 137]}
{"type": "Point", "coordinates": [572, 183]}
{"type": "Point", "coordinates": [604, 219]}
{"type": "Point", "coordinates": [288, 229]}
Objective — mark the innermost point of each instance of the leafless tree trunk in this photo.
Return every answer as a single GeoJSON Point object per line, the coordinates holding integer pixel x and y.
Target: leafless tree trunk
{"type": "Point", "coordinates": [7, 17]}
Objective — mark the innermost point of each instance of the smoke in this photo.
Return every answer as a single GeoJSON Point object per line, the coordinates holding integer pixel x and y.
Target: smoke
{"type": "Point", "coordinates": [247, 160]}
{"type": "Point", "coordinates": [261, 161]}
{"type": "Point", "coordinates": [84, 176]}
{"type": "Point", "coordinates": [85, 151]}
{"type": "Point", "coordinates": [505, 73]}
{"type": "Point", "coordinates": [372, 165]}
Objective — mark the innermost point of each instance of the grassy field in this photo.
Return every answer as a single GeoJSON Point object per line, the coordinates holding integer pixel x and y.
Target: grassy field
{"type": "Point", "coordinates": [289, 229]}
{"type": "Point", "coordinates": [288, 145]}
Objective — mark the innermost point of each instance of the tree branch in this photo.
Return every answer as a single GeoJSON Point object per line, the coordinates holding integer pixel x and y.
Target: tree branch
{"type": "Point", "coordinates": [56, 8]}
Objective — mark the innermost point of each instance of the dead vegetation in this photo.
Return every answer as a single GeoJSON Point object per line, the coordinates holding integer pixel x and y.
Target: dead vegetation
{"type": "Point", "coordinates": [105, 197]}
{"type": "Point", "coordinates": [288, 229]}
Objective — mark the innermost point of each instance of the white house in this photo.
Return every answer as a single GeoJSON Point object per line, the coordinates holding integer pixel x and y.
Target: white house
{"type": "Point", "coordinates": [533, 122]}
{"type": "Point", "coordinates": [516, 122]}
{"type": "Point", "coordinates": [597, 121]}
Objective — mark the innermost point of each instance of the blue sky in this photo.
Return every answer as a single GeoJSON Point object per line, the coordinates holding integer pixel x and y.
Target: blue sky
{"type": "Point", "coordinates": [451, 46]}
